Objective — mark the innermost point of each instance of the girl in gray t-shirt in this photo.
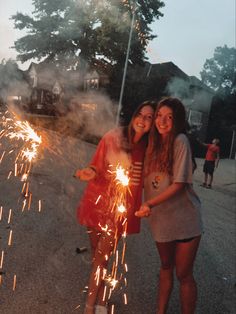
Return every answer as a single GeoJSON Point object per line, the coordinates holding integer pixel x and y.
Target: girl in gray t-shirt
{"type": "Point", "coordinates": [171, 204]}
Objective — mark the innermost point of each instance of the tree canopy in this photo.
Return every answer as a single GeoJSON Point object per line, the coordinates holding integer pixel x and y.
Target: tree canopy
{"type": "Point", "coordinates": [63, 30]}
{"type": "Point", "coordinates": [219, 72]}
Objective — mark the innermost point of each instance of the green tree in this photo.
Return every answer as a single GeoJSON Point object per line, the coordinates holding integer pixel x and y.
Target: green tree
{"type": "Point", "coordinates": [63, 30]}
{"type": "Point", "coordinates": [219, 72]}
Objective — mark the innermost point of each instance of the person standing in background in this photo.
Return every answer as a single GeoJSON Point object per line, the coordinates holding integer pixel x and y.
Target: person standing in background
{"type": "Point", "coordinates": [211, 162]}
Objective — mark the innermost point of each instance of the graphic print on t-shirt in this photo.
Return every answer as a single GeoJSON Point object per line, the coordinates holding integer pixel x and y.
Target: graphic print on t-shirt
{"type": "Point", "coordinates": [156, 182]}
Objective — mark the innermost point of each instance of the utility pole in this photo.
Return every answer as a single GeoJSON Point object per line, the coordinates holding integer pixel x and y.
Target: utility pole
{"type": "Point", "coordinates": [125, 67]}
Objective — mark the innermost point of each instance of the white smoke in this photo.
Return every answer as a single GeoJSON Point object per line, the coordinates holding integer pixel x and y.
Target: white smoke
{"type": "Point", "coordinates": [193, 95]}
{"type": "Point", "coordinates": [91, 113]}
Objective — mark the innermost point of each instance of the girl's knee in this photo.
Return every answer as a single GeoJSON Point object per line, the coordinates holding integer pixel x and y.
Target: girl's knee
{"type": "Point", "coordinates": [167, 266]}
{"type": "Point", "coordinates": [184, 277]}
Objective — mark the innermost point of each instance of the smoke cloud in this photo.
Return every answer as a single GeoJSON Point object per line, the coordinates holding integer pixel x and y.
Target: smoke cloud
{"type": "Point", "coordinates": [93, 113]}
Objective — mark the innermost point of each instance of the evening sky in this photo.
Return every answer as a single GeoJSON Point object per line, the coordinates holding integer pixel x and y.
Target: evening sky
{"type": "Point", "coordinates": [188, 33]}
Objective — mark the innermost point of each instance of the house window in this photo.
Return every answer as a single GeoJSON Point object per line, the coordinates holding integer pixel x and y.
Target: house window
{"type": "Point", "coordinates": [195, 118]}
{"type": "Point", "coordinates": [92, 84]}
{"type": "Point", "coordinates": [56, 89]}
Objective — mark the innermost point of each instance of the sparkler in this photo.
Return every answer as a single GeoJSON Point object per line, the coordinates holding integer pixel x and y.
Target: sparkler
{"type": "Point", "coordinates": [120, 190]}
{"type": "Point", "coordinates": [25, 143]}
{"type": "Point", "coordinates": [24, 138]}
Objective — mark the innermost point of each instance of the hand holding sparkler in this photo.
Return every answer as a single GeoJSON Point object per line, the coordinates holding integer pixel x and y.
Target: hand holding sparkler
{"type": "Point", "coordinates": [144, 211]}
{"type": "Point", "coordinates": [85, 174]}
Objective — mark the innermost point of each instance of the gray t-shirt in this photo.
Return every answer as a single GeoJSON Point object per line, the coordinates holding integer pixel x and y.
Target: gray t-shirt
{"type": "Point", "coordinates": [178, 217]}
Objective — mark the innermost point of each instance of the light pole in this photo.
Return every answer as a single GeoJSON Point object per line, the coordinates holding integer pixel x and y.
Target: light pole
{"type": "Point", "coordinates": [125, 67]}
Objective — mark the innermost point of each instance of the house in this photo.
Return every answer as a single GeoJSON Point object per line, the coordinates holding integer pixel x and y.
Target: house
{"type": "Point", "coordinates": [154, 81]}
{"type": "Point", "coordinates": [52, 88]}
{"type": "Point", "coordinates": [47, 87]}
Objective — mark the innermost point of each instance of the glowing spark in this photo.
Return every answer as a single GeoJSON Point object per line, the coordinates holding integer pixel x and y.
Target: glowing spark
{"type": "Point", "coordinates": [123, 223]}
{"type": "Point", "coordinates": [117, 258]}
{"type": "Point", "coordinates": [23, 188]}
{"type": "Point", "coordinates": [77, 307]}
{"type": "Point", "coordinates": [40, 205]}
{"type": "Point", "coordinates": [23, 206]}
{"type": "Point", "coordinates": [2, 133]}
{"type": "Point", "coordinates": [27, 189]}
{"type": "Point", "coordinates": [26, 133]}
{"type": "Point", "coordinates": [105, 228]}
{"type": "Point", "coordinates": [29, 154]}
{"type": "Point", "coordinates": [22, 130]}
{"type": "Point", "coordinates": [104, 273]}
{"type": "Point", "coordinates": [9, 216]}
{"type": "Point", "coordinates": [2, 156]}
{"type": "Point", "coordinates": [121, 209]}
{"type": "Point", "coordinates": [122, 176]}
{"type": "Point", "coordinates": [9, 175]}
{"type": "Point", "coordinates": [112, 309]}
{"type": "Point", "coordinates": [97, 275]}
{"type": "Point", "coordinates": [123, 253]}
{"type": "Point", "coordinates": [2, 257]}
{"type": "Point", "coordinates": [1, 209]}
{"type": "Point", "coordinates": [24, 177]}
{"type": "Point", "coordinates": [112, 282]}
{"type": "Point", "coordinates": [10, 238]}
{"type": "Point", "coordinates": [125, 298]}
{"type": "Point", "coordinates": [14, 283]}
{"type": "Point", "coordinates": [98, 199]}
{"type": "Point", "coordinates": [104, 293]}
{"type": "Point", "coordinates": [30, 199]}
{"type": "Point", "coordinates": [15, 170]}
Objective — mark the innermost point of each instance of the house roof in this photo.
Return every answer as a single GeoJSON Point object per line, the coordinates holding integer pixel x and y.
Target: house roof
{"type": "Point", "coordinates": [166, 72]}
{"type": "Point", "coordinates": [165, 69]}
{"type": "Point", "coordinates": [47, 74]}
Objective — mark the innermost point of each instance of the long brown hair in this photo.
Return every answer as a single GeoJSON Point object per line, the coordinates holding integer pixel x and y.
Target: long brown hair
{"type": "Point", "coordinates": [160, 151]}
{"type": "Point", "coordinates": [128, 131]}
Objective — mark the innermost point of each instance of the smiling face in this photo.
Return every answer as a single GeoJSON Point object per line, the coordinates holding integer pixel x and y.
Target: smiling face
{"type": "Point", "coordinates": [142, 122]}
{"type": "Point", "coordinates": [164, 121]}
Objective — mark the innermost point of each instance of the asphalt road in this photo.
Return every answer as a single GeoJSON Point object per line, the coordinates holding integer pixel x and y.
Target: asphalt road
{"type": "Point", "coordinates": [50, 276]}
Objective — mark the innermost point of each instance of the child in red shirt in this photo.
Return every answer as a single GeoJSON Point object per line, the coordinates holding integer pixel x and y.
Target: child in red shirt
{"type": "Point", "coordinates": [211, 162]}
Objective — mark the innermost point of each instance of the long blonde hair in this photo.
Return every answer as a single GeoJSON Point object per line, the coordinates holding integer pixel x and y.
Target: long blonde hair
{"type": "Point", "coordinates": [160, 151]}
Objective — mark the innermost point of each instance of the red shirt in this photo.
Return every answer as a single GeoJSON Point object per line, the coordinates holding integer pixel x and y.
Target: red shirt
{"type": "Point", "coordinates": [97, 207]}
{"type": "Point", "coordinates": [212, 152]}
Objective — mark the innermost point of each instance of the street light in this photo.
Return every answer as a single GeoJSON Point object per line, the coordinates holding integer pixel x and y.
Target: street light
{"type": "Point", "coordinates": [125, 67]}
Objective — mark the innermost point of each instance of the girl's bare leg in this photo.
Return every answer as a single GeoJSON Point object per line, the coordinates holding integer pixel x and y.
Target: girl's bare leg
{"type": "Point", "coordinates": [102, 253]}
{"type": "Point", "coordinates": [185, 257]}
{"type": "Point", "coordinates": [94, 236]}
{"type": "Point", "coordinates": [167, 252]}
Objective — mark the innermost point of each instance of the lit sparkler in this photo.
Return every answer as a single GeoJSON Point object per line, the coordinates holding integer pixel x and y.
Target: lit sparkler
{"type": "Point", "coordinates": [119, 191]}
{"type": "Point", "coordinates": [122, 176]}
{"type": "Point", "coordinates": [25, 143]}
{"type": "Point", "coordinates": [24, 132]}
{"type": "Point", "coordinates": [121, 209]}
